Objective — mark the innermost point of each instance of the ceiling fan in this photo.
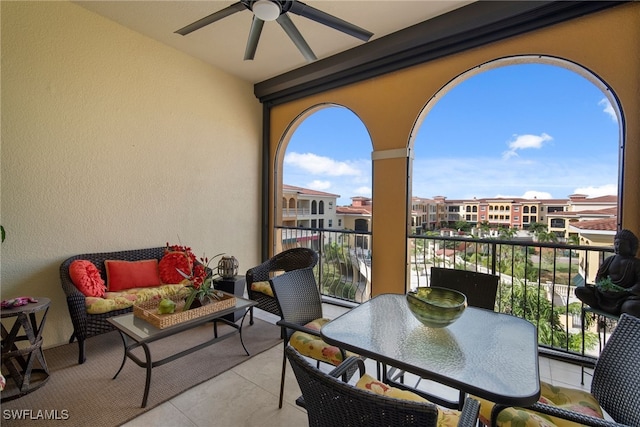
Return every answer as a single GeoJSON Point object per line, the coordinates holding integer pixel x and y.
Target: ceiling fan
{"type": "Point", "coordinates": [270, 10]}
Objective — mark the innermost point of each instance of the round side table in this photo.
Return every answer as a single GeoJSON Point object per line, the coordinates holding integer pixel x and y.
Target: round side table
{"type": "Point", "coordinates": [18, 360]}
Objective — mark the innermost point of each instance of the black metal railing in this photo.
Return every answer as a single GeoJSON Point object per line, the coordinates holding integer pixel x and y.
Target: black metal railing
{"type": "Point", "coordinates": [537, 282]}
{"type": "Point", "coordinates": [537, 279]}
{"type": "Point", "coordinates": [344, 266]}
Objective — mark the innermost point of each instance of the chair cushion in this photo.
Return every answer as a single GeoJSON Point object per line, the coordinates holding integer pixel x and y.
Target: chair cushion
{"type": "Point", "coordinates": [563, 397]}
{"type": "Point", "coordinates": [262, 287]}
{"type": "Point", "coordinates": [125, 299]}
{"type": "Point", "coordinates": [446, 417]}
{"type": "Point", "coordinates": [314, 347]}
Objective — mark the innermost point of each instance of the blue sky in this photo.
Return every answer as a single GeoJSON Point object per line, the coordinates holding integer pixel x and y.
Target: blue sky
{"type": "Point", "coordinates": [519, 131]}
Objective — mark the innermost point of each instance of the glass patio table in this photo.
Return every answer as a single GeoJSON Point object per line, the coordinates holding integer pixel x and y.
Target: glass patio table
{"type": "Point", "coordinates": [486, 354]}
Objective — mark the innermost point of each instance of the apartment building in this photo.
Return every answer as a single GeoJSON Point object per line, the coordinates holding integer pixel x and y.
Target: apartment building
{"type": "Point", "coordinates": [303, 207]}
{"type": "Point", "coordinates": [517, 213]}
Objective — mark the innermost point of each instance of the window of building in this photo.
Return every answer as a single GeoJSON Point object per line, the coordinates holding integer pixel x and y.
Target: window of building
{"type": "Point", "coordinates": [321, 208]}
{"type": "Point", "coordinates": [330, 223]}
{"type": "Point", "coordinates": [339, 223]}
{"type": "Point", "coordinates": [314, 207]}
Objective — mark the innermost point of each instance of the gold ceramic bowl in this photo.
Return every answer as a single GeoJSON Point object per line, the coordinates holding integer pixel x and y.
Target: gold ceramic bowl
{"type": "Point", "coordinates": [436, 307]}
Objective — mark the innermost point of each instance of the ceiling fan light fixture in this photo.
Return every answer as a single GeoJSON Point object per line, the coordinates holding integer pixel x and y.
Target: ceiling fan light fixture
{"type": "Point", "coordinates": [266, 10]}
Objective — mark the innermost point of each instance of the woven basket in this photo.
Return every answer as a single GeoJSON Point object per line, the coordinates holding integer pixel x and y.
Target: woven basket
{"type": "Point", "coordinates": [148, 311]}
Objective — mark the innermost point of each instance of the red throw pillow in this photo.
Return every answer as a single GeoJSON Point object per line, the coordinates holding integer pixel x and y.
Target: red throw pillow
{"type": "Point", "coordinates": [86, 276]}
{"type": "Point", "coordinates": [170, 264]}
{"type": "Point", "coordinates": [123, 275]}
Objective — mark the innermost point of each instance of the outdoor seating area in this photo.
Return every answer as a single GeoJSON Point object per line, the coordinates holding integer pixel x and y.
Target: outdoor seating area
{"type": "Point", "coordinates": [121, 132]}
{"type": "Point", "coordinates": [259, 379]}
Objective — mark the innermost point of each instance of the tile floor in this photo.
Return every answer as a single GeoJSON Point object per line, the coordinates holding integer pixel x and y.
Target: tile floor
{"type": "Point", "coordinates": [247, 395]}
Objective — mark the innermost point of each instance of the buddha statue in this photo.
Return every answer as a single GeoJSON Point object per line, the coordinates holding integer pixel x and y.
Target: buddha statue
{"type": "Point", "coordinates": [617, 288]}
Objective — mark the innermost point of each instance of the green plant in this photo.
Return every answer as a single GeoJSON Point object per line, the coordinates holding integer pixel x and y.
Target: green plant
{"type": "Point", "coordinates": [200, 278]}
{"type": "Point", "coordinates": [607, 284]}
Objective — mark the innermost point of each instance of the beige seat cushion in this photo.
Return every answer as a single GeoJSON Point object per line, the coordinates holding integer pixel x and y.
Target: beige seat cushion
{"type": "Point", "coordinates": [446, 417]}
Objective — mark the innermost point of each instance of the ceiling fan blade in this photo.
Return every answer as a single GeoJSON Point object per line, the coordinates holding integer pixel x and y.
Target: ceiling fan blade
{"type": "Point", "coordinates": [317, 15]}
{"type": "Point", "coordinates": [295, 36]}
{"type": "Point", "coordinates": [216, 16]}
{"type": "Point", "coordinates": [254, 37]}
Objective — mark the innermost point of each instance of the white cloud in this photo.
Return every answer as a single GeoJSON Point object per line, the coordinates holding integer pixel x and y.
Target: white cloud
{"type": "Point", "coordinates": [608, 109]}
{"type": "Point", "coordinates": [529, 194]}
{"type": "Point", "coordinates": [319, 185]}
{"type": "Point", "coordinates": [533, 194]}
{"type": "Point", "coordinates": [320, 165]}
{"type": "Point", "coordinates": [603, 190]}
{"type": "Point", "coordinates": [523, 142]}
{"type": "Point", "coordinates": [481, 177]}
{"type": "Point", "coordinates": [363, 191]}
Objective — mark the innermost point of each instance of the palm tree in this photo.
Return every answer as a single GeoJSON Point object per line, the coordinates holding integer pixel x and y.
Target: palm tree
{"type": "Point", "coordinates": [536, 228]}
{"type": "Point", "coordinates": [545, 236]}
{"type": "Point", "coordinates": [574, 239]}
{"type": "Point", "coordinates": [506, 233]}
{"type": "Point", "coordinates": [484, 227]}
{"type": "Point", "coordinates": [530, 303]}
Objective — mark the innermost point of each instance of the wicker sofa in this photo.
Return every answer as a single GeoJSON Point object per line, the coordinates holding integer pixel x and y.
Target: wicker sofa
{"type": "Point", "coordinates": [87, 325]}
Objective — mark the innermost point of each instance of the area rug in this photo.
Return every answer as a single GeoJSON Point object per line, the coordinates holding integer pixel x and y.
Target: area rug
{"type": "Point", "coordinates": [86, 395]}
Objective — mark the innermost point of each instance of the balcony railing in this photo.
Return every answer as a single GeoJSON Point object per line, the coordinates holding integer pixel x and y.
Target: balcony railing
{"type": "Point", "coordinates": [344, 269]}
{"type": "Point", "coordinates": [537, 279]}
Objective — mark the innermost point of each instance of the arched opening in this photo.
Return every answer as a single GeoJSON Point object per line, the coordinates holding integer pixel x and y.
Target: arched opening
{"type": "Point", "coordinates": [325, 158]}
{"type": "Point", "coordinates": [524, 133]}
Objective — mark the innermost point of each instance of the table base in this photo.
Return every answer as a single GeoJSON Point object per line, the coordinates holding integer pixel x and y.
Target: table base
{"type": "Point", "coordinates": [149, 363]}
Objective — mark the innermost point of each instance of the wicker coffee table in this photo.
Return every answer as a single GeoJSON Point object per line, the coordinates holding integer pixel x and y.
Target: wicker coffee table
{"type": "Point", "coordinates": [136, 332]}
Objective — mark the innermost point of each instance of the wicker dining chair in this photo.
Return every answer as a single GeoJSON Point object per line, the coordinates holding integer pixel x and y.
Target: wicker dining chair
{"type": "Point", "coordinates": [300, 304]}
{"type": "Point", "coordinates": [615, 387]}
{"type": "Point", "coordinates": [480, 288]}
{"type": "Point", "coordinates": [332, 402]}
{"type": "Point", "coordinates": [291, 259]}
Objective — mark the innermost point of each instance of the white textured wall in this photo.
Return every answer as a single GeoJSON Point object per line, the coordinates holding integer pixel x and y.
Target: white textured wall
{"type": "Point", "coordinates": [113, 141]}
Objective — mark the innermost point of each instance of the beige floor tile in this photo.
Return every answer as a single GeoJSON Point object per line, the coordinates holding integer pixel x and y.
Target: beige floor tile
{"type": "Point", "coordinates": [165, 415]}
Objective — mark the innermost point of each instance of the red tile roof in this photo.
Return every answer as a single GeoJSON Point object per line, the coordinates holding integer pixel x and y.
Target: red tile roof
{"type": "Point", "coordinates": [608, 224]}
{"type": "Point", "coordinates": [352, 210]}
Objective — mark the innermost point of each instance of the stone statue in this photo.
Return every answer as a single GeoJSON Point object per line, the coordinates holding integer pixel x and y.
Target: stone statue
{"type": "Point", "coordinates": [617, 288]}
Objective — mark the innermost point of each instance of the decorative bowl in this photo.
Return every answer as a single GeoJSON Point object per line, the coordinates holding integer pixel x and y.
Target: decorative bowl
{"type": "Point", "coordinates": [436, 307]}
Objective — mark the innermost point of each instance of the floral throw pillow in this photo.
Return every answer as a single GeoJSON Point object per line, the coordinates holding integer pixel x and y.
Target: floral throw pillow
{"type": "Point", "coordinates": [169, 265]}
{"type": "Point", "coordinates": [86, 277]}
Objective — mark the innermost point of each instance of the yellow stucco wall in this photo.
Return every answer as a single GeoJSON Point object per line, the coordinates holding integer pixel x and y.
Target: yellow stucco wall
{"type": "Point", "coordinates": [112, 141]}
{"type": "Point", "coordinates": [606, 43]}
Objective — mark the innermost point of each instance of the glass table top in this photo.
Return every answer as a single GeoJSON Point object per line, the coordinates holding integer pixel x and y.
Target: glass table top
{"type": "Point", "coordinates": [488, 354]}
{"type": "Point", "coordinates": [141, 330]}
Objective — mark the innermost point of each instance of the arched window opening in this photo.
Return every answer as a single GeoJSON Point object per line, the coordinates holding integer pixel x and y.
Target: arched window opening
{"type": "Point", "coordinates": [325, 156]}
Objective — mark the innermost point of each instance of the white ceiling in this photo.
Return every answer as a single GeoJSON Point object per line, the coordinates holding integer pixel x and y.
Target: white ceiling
{"type": "Point", "coordinates": [222, 43]}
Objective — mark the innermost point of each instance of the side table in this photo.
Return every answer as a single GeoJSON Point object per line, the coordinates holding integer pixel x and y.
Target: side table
{"type": "Point", "coordinates": [233, 286]}
{"type": "Point", "coordinates": [18, 361]}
